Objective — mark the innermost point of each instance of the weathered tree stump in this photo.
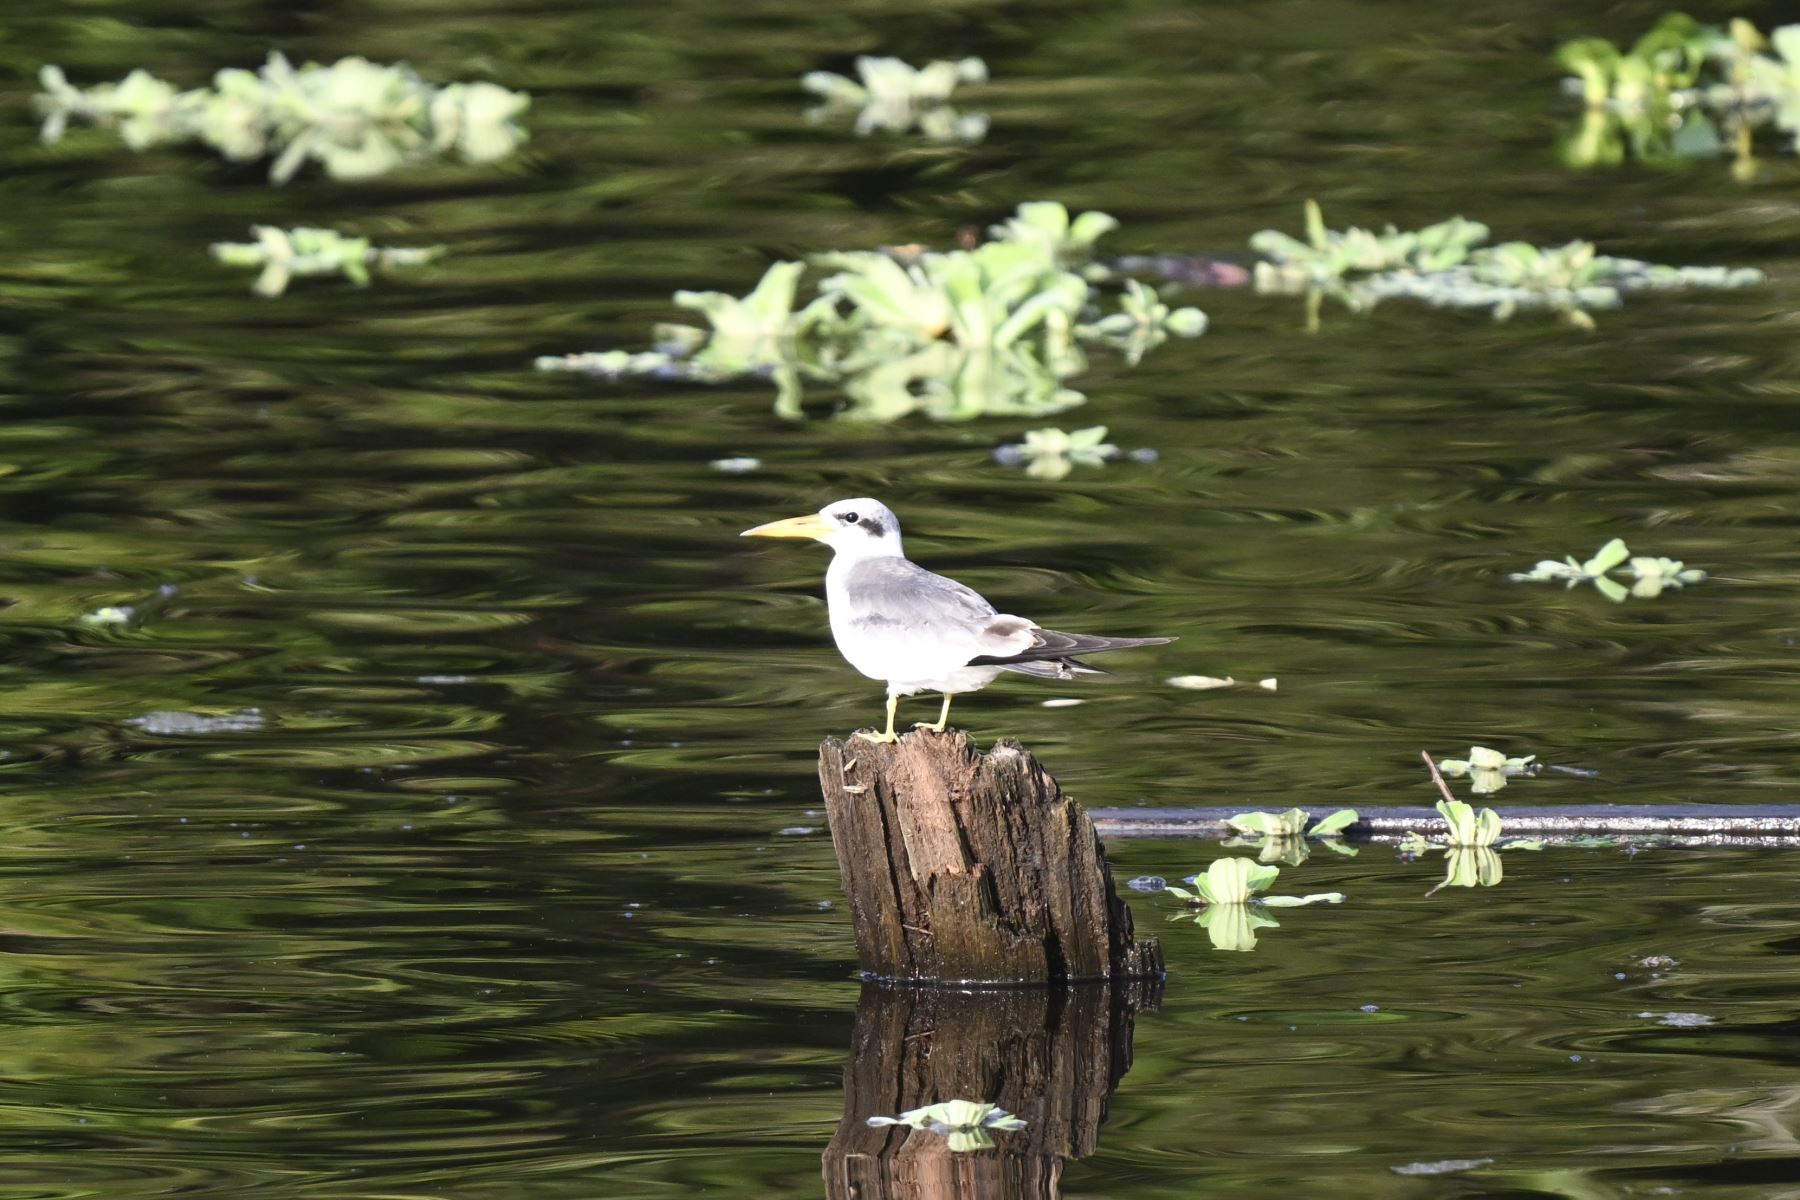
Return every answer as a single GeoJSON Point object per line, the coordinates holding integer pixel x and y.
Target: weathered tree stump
{"type": "Point", "coordinates": [1052, 1057]}
{"type": "Point", "coordinates": [962, 867]}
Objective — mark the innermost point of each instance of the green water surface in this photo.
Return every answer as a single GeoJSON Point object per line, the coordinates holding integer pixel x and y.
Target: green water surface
{"type": "Point", "coordinates": [506, 875]}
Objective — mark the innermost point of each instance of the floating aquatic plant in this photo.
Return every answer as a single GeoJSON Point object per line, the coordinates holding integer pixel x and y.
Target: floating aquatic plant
{"type": "Point", "coordinates": [963, 1123]}
{"type": "Point", "coordinates": [1446, 266]}
{"type": "Point", "coordinates": [1467, 826]}
{"type": "Point", "coordinates": [1668, 57]}
{"type": "Point", "coordinates": [1684, 90]}
{"type": "Point", "coordinates": [1571, 280]}
{"type": "Point", "coordinates": [1052, 453]}
{"type": "Point", "coordinates": [892, 96]}
{"type": "Point", "coordinates": [1283, 837]}
{"type": "Point", "coordinates": [1470, 866]}
{"type": "Point", "coordinates": [1293, 823]}
{"type": "Point", "coordinates": [1327, 255]}
{"type": "Point", "coordinates": [1231, 889]}
{"type": "Point", "coordinates": [991, 296]}
{"type": "Point", "coordinates": [1471, 846]}
{"type": "Point", "coordinates": [356, 118]}
{"type": "Point", "coordinates": [1413, 843]}
{"type": "Point", "coordinates": [993, 330]}
{"type": "Point", "coordinates": [1143, 322]}
{"type": "Point", "coordinates": [757, 330]}
{"type": "Point", "coordinates": [1652, 576]}
{"type": "Point", "coordinates": [282, 255]}
{"type": "Point", "coordinates": [1472, 837]}
{"type": "Point", "coordinates": [1240, 881]}
{"type": "Point", "coordinates": [1047, 225]}
{"type": "Point", "coordinates": [1488, 770]}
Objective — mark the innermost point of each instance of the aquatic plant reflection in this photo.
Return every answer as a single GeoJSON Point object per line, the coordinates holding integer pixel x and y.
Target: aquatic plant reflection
{"type": "Point", "coordinates": [1052, 1057]}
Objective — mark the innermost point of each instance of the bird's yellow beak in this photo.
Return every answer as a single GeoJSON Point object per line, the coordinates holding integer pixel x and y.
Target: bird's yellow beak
{"type": "Point", "coordinates": [812, 525]}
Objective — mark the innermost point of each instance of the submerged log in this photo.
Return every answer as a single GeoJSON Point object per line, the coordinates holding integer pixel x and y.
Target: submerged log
{"type": "Point", "coordinates": [1052, 1058]}
{"type": "Point", "coordinates": [962, 867]}
{"type": "Point", "coordinates": [1774, 825]}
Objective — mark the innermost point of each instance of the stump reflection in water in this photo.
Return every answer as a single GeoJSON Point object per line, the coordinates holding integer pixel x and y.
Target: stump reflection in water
{"type": "Point", "coordinates": [1051, 1056]}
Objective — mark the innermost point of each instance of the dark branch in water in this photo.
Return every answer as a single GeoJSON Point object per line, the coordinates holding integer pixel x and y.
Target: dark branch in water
{"type": "Point", "coordinates": [1437, 777]}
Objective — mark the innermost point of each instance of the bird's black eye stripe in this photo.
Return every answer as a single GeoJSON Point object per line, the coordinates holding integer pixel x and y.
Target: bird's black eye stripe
{"type": "Point", "coordinates": [875, 527]}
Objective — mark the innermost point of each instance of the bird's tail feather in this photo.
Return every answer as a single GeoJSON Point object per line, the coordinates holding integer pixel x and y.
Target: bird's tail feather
{"type": "Point", "coordinates": [1054, 647]}
{"type": "Point", "coordinates": [1052, 668]}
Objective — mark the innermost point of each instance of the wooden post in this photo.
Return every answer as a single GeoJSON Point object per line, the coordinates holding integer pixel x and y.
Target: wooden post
{"type": "Point", "coordinates": [962, 867]}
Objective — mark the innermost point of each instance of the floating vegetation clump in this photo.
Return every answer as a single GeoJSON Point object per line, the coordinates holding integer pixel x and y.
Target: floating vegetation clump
{"type": "Point", "coordinates": [1293, 823]}
{"type": "Point", "coordinates": [1047, 225]}
{"type": "Point", "coordinates": [1488, 770]}
{"type": "Point", "coordinates": [1684, 90]}
{"type": "Point", "coordinates": [1231, 889]}
{"type": "Point", "coordinates": [1472, 844]}
{"type": "Point", "coordinates": [891, 96]}
{"type": "Point", "coordinates": [356, 118]}
{"type": "Point", "coordinates": [1447, 266]}
{"type": "Point", "coordinates": [1144, 321]}
{"type": "Point", "coordinates": [282, 255]}
{"type": "Point", "coordinates": [1052, 453]}
{"type": "Point", "coordinates": [1665, 60]}
{"type": "Point", "coordinates": [964, 1124]}
{"type": "Point", "coordinates": [989, 331]}
{"type": "Point", "coordinates": [1469, 828]}
{"type": "Point", "coordinates": [1282, 837]}
{"type": "Point", "coordinates": [1472, 838]}
{"type": "Point", "coordinates": [1651, 576]}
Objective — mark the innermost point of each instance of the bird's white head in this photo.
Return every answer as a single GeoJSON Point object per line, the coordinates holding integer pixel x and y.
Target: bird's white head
{"type": "Point", "coordinates": [859, 528]}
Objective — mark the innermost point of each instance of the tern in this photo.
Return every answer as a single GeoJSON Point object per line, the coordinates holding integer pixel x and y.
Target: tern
{"type": "Point", "coordinates": [918, 632]}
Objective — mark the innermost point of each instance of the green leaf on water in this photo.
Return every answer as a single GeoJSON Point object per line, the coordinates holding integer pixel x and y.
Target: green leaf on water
{"type": "Point", "coordinates": [1468, 827]}
{"type": "Point", "coordinates": [1606, 558]}
{"type": "Point", "coordinates": [1280, 825]}
{"type": "Point", "coordinates": [285, 254]}
{"type": "Point", "coordinates": [1333, 824]}
{"type": "Point", "coordinates": [895, 97]}
{"type": "Point", "coordinates": [1612, 589]}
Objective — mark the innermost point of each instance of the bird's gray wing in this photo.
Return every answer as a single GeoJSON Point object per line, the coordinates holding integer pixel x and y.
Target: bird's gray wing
{"type": "Point", "coordinates": [894, 599]}
{"type": "Point", "coordinates": [903, 609]}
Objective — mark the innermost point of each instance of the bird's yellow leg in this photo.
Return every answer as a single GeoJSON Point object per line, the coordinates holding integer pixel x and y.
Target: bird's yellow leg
{"type": "Point", "coordinates": [943, 718]}
{"type": "Point", "coordinates": [890, 735]}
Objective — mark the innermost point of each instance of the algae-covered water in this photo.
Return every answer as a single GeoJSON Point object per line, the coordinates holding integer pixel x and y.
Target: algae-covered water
{"type": "Point", "coordinates": [440, 821]}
